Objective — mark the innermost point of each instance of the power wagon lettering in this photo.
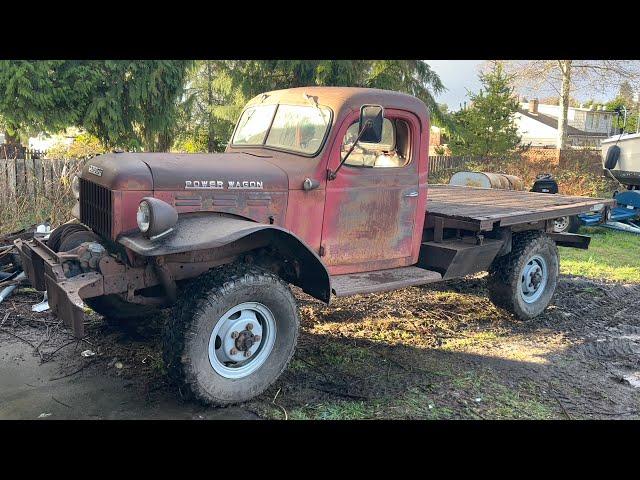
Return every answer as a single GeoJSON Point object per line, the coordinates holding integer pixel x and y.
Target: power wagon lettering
{"type": "Point", "coordinates": [219, 185]}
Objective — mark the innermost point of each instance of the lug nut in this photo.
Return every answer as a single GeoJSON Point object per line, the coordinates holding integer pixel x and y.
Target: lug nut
{"type": "Point", "coordinates": [247, 353]}
{"type": "Point", "coordinates": [249, 326]}
{"type": "Point", "coordinates": [256, 338]}
{"type": "Point", "coordinates": [233, 351]}
{"type": "Point", "coordinates": [234, 334]}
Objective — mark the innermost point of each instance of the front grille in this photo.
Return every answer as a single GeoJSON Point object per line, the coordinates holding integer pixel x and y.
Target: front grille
{"type": "Point", "coordinates": [95, 207]}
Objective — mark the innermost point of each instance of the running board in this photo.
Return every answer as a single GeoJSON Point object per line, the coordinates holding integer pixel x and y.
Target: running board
{"type": "Point", "coordinates": [381, 280]}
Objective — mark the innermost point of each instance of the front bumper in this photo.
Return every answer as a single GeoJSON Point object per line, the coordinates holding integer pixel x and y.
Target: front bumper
{"type": "Point", "coordinates": [44, 269]}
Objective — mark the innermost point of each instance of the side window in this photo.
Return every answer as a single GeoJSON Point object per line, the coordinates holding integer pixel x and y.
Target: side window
{"type": "Point", "coordinates": [393, 151]}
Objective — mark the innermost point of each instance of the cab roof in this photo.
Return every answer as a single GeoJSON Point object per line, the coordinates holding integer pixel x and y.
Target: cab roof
{"type": "Point", "coordinates": [344, 99]}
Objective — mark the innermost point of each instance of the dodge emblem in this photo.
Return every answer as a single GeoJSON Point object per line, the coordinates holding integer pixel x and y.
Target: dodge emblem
{"type": "Point", "coordinates": [95, 170]}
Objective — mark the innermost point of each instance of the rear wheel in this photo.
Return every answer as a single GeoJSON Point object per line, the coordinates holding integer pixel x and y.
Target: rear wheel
{"type": "Point", "coordinates": [525, 280]}
{"type": "Point", "coordinates": [566, 224]}
{"type": "Point", "coordinates": [233, 336]}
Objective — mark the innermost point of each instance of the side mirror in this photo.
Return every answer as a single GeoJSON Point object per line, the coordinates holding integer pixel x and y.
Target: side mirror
{"type": "Point", "coordinates": [369, 131]}
{"type": "Point", "coordinates": [371, 117]}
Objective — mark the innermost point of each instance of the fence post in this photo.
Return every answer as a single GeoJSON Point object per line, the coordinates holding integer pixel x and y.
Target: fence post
{"type": "Point", "coordinates": [47, 175]}
{"type": "Point", "coordinates": [21, 178]}
{"type": "Point", "coordinates": [11, 177]}
{"type": "Point", "coordinates": [30, 177]}
{"type": "Point", "coordinates": [37, 171]}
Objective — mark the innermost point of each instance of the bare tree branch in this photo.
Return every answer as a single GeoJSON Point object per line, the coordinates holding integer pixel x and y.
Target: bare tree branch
{"type": "Point", "coordinates": [567, 76]}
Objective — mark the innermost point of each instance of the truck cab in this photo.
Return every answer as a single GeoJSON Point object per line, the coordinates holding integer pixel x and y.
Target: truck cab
{"type": "Point", "coordinates": [370, 216]}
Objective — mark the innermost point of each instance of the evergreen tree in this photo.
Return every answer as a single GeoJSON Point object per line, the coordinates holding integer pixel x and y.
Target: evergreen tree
{"type": "Point", "coordinates": [129, 104]}
{"type": "Point", "coordinates": [45, 95]}
{"type": "Point", "coordinates": [618, 105]}
{"type": "Point", "coordinates": [486, 128]}
{"type": "Point", "coordinates": [217, 90]}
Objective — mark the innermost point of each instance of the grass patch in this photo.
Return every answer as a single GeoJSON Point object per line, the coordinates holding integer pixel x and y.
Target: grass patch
{"type": "Point", "coordinates": [455, 394]}
{"type": "Point", "coordinates": [335, 411]}
{"type": "Point", "coordinates": [506, 403]}
{"type": "Point", "coordinates": [612, 255]}
{"type": "Point", "coordinates": [470, 341]}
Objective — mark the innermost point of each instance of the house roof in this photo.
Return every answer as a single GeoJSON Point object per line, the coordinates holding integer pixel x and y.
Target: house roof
{"type": "Point", "coordinates": [552, 122]}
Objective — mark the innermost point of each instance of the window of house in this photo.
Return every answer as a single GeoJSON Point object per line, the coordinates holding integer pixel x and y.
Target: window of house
{"type": "Point", "coordinates": [589, 123]}
{"type": "Point", "coordinates": [392, 151]}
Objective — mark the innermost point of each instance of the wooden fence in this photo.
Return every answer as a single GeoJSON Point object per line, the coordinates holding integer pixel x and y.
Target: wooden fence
{"type": "Point", "coordinates": [18, 151]}
{"type": "Point", "coordinates": [31, 177]}
{"type": "Point", "coordinates": [438, 163]}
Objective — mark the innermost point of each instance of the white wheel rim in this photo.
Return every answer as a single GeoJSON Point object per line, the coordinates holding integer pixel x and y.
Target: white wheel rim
{"type": "Point", "coordinates": [560, 224]}
{"type": "Point", "coordinates": [242, 340]}
{"type": "Point", "coordinates": [534, 278]}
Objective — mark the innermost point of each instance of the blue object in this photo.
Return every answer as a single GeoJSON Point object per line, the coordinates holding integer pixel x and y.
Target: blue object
{"type": "Point", "coordinates": [623, 216]}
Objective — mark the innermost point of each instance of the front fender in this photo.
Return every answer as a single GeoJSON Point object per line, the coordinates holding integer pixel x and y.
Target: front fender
{"type": "Point", "coordinates": [205, 231]}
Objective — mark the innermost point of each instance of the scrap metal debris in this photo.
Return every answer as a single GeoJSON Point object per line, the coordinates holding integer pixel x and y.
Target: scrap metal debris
{"type": "Point", "coordinates": [43, 305]}
{"type": "Point", "coordinates": [11, 273]}
{"type": "Point", "coordinates": [7, 291]}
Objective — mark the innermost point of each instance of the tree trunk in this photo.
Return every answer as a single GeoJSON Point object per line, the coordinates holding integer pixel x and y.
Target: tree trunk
{"type": "Point", "coordinates": [565, 92]}
{"type": "Point", "coordinates": [164, 142]}
{"type": "Point", "coordinates": [9, 139]}
{"type": "Point", "coordinates": [12, 147]}
{"type": "Point", "coordinates": [211, 144]}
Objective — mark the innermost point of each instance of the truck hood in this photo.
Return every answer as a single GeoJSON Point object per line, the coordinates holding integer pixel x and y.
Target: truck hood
{"type": "Point", "coordinates": [172, 171]}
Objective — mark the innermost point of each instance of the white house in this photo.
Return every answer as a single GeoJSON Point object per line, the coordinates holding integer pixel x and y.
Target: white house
{"type": "Point", "coordinates": [538, 125]}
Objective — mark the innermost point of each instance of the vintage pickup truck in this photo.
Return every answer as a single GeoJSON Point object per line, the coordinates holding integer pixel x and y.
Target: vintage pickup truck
{"type": "Point", "coordinates": [322, 188]}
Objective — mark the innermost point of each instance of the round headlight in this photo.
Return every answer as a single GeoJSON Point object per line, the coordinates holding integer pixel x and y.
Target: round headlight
{"type": "Point", "coordinates": [75, 187]}
{"type": "Point", "coordinates": [155, 217]}
{"type": "Point", "coordinates": [143, 216]}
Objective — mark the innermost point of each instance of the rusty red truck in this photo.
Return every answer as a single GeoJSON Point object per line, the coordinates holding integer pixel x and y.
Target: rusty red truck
{"type": "Point", "coordinates": [321, 188]}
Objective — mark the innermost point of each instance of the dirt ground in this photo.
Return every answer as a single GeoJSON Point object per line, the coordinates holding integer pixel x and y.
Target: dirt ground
{"type": "Point", "coordinates": [438, 351]}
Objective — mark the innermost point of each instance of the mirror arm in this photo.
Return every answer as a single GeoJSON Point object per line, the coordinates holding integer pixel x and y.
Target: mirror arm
{"type": "Point", "coordinates": [331, 175]}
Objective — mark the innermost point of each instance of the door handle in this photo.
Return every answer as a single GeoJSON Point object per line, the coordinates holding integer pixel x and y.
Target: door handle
{"type": "Point", "coordinates": [411, 194]}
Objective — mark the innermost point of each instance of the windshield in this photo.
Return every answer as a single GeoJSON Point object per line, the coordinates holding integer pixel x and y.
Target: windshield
{"type": "Point", "coordinates": [253, 125]}
{"type": "Point", "coordinates": [297, 128]}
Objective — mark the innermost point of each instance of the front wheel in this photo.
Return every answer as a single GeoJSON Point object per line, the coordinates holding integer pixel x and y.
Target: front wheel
{"type": "Point", "coordinates": [233, 336]}
{"type": "Point", "coordinates": [524, 281]}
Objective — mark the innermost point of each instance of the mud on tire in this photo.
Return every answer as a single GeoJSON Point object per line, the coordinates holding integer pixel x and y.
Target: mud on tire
{"type": "Point", "coordinates": [188, 332]}
{"type": "Point", "coordinates": [506, 274]}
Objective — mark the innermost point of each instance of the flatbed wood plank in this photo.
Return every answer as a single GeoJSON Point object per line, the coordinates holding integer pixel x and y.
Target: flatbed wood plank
{"type": "Point", "coordinates": [486, 206]}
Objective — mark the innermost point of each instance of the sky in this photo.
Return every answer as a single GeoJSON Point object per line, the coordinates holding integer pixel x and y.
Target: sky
{"type": "Point", "coordinates": [457, 76]}
{"type": "Point", "coordinates": [460, 75]}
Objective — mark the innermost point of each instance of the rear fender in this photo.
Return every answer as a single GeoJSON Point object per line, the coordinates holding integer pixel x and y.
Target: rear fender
{"type": "Point", "coordinates": [206, 231]}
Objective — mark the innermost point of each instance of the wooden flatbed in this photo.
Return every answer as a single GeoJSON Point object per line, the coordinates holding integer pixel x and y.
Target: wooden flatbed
{"type": "Point", "coordinates": [486, 208]}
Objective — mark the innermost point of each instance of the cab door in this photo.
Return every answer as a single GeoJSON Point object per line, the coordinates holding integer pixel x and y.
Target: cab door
{"type": "Point", "coordinates": [371, 206]}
